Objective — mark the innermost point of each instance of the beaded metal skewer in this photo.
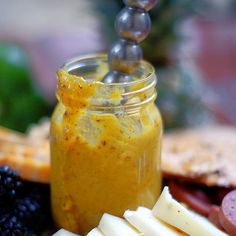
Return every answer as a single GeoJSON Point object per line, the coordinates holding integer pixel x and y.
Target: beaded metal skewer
{"type": "Point", "coordinates": [132, 24]}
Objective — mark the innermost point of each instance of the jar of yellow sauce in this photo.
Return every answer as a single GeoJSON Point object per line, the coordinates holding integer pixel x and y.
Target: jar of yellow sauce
{"type": "Point", "coordinates": [105, 144]}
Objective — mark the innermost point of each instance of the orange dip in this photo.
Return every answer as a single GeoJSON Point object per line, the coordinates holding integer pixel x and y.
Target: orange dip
{"type": "Point", "coordinates": [102, 161]}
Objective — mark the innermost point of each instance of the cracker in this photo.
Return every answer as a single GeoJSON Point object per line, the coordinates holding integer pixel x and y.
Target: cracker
{"type": "Point", "coordinates": [27, 154]}
{"type": "Point", "coordinates": [11, 136]}
{"type": "Point", "coordinates": [205, 155]}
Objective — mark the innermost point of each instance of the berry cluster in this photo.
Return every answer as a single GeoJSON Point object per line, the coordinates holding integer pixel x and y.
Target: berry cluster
{"type": "Point", "coordinates": [24, 206]}
{"type": "Point", "coordinates": [10, 183]}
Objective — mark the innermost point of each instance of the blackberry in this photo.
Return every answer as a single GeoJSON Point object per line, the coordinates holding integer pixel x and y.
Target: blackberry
{"type": "Point", "coordinates": [34, 207]}
{"type": "Point", "coordinates": [10, 184]}
{"type": "Point", "coordinates": [24, 205]}
{"type": "Point", "coordinates": [28, 211]}
{"type": "Point", "coordinates": [11, 226]}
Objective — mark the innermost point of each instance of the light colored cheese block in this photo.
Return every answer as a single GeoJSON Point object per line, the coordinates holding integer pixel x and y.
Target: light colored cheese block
{"type": "Point", "coordinates": [95, 232]}
{"type": "Point", "coordinates": [145, 222]}
{"type": "Point", "coordinates": [173, 213]}
{"type": "Point", "coordinates": [115, 226]}
{"type": "Point", "coordinates": [63, 232]}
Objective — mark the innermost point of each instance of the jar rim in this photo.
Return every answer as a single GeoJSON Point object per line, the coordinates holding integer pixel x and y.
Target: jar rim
{"type": "Point", "coordinates": [79, 61]}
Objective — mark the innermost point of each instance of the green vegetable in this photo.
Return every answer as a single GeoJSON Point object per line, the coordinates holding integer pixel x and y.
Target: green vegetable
{"type": "Point", "coordinates": [20, 101]}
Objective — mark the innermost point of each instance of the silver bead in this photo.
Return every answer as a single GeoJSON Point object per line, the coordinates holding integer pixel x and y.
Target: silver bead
{"type": "Point", "coordinates": [116, 77]}
{"type": "Point", "coordinates": [143, 4]}
{"type": "Point", "coordinates": [133, 24]}
{"type": "Point", "coordinates": [125, 56]}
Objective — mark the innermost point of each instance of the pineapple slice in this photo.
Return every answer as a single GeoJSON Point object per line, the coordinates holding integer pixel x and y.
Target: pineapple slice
{"type": "Point", "coordinates": [173, 213]}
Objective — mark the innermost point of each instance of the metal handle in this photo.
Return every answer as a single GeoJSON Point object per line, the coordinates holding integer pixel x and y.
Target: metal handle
{"type": "Point", "coordinates": [132, 24]}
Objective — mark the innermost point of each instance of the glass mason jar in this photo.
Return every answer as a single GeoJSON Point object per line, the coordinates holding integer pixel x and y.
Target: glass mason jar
{"type": "Point", "coordinates": [105, 144]}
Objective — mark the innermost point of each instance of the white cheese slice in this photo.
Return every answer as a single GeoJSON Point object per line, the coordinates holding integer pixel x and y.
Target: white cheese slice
{"type": "Point", "coordinates": [114, 226]}
{"type": "Point", "coordinates": [95, 232]}
{"type": "Point", "coordinates": [145, 222]}
{"type": "Point", "coordinates": [173, 213]}
{"type": "Point", "coordinates": [63, 232]}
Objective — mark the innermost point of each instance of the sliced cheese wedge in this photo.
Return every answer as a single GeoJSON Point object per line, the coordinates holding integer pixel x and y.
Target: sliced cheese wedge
{"type": "Point", "coordinates": [63, 232]}
{"type": "Point", "coordinates": [114, 226]}
{"type": "Point", "coordinates": [95, 232]}
{"type": "Point", "coordinates": [173, 213]}
{"type": "Point", "coordinates": [145, 222]}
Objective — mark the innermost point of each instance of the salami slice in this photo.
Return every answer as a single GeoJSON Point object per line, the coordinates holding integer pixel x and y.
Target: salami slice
{"type": "Point", "coordinates": [214, 216]}
{"type": "Point", "coordinates": [227, 213]}
{"type": "Point", "coordinates": [194, 198]}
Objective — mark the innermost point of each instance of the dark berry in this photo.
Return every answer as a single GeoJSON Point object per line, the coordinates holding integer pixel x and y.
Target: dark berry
{"type": "Point", "coordinates": [35, 207]}
{"type": "Point", "coordinates": [28, 210]}
{"type": "Point", "coordinates": [24, 206]}
{"type": "Point", "coordinates": [10, 183]}
{"type": "Point", "coordinates": [11, 226]}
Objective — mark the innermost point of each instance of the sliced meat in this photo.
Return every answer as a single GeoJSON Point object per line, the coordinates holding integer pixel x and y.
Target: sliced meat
{"type": "Point", "coordinates": [221, 193]}
{"type": "Point", "coordinates": [194, 198]}
{"type": "Point", "coordinates": [227, 213]}
{"type": "Point", "coordinates": [214, 216]}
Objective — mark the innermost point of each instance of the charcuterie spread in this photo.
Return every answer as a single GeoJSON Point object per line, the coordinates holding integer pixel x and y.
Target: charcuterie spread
{"type": "Point", "coordinates": [209, 201]}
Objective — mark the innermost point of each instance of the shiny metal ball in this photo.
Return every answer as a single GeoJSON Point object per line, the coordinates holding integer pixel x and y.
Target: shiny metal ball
{"type": "Point", "coordinates": [133, 24]}
{"type": "Point", "coordinates": [125, 56]}
{"type": "Point", "coordinates": [143, 4]}
{"type": "Point", "coordinates": [116, 77]}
